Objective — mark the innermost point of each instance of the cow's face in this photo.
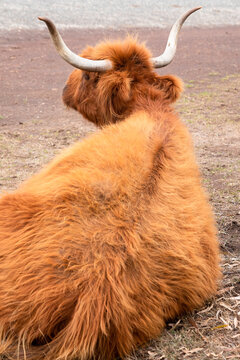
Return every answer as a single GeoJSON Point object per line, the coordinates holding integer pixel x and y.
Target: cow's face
{"type": "Point", "coordinates": [113, 87]}
{"type": "Point", "coordinates": [107, 97]}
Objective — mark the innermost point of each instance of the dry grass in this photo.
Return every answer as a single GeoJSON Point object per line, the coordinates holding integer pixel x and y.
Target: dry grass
{"type": "Point", "coordinates": [211, 110]}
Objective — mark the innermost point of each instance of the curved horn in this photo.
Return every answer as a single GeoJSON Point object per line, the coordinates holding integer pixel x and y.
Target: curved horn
{"type": "Point", "coordinates": [72, 58]}
{"type": "Point", "coordinates": [171, 46]}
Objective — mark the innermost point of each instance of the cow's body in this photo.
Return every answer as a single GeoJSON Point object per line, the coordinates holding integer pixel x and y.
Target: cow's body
{"type": "Point", "coordinates": [115, 236]}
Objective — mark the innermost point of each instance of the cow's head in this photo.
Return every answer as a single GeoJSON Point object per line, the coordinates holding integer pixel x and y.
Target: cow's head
{"type": "Point", "coordinates": [112, 77]}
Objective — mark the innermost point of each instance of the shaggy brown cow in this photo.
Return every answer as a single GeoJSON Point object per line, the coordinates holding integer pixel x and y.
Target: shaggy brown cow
{"type": "Point", "coordinates": [115, 236]}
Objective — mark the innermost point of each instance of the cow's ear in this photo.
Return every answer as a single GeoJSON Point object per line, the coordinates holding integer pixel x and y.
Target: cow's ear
{"type": "Point", "coordinates": [114, 92]}
{"type": "Point", "coordinates": [170, 85]}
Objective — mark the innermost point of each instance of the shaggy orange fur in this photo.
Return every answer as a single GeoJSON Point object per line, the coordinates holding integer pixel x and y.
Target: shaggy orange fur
{"type": "Point", "coordinates": [115, 236]}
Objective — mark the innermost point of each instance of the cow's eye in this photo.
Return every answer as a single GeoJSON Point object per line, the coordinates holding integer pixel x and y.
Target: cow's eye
{"type": "Point", "coordinates": [96, 80]}
{"type": "Point", "coordinates": [86, 76]}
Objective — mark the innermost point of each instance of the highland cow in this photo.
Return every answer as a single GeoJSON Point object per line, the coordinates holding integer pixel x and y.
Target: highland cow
{"type": "Point", "coordinates": [115, 236]}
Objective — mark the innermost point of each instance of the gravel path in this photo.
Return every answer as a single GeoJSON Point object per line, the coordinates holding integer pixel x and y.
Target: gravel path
{"type": "Point", "coordinates": [22, 14]}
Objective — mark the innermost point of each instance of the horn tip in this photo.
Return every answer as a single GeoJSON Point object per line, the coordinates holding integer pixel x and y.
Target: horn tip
{"type": "Point", "coordinates": [193, 10]}
{"type": "Point", "coordinates": [42, 18]}
{"type": "Point", "coordinates": [49, 23]}
{"type": "Point", "coordinates": [46, 20]}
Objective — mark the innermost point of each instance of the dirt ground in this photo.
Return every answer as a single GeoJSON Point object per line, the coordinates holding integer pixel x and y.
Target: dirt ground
{"type": "Point", "coordinates": [34, 126]}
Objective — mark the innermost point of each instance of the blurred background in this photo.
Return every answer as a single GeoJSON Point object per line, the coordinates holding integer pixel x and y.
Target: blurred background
{"type": "Point", "coordinates": [22, 14]}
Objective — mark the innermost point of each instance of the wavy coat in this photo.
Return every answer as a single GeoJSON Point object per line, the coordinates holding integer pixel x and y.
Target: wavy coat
{"type": "Point", "coordinates": [115, 236]}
